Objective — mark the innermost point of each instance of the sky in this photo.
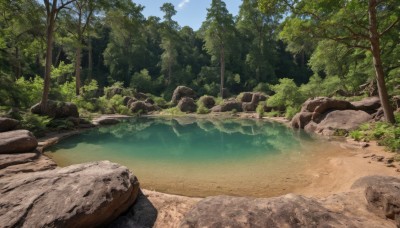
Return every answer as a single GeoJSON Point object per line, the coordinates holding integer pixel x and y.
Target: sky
{"type": "Point", "coordinates": [189, 12]}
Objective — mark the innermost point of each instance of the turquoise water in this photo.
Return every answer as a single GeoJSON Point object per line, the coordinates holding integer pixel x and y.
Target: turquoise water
{"type": "Point", "coordinates": [198, 157]}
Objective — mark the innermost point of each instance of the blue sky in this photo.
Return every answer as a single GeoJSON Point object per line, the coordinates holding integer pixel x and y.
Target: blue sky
{"type": "Point", "coordinates": [189, 12]}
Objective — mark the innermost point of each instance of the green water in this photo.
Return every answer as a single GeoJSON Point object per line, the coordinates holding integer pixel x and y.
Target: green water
{"type": "Point", "coordinates": [198, 157]}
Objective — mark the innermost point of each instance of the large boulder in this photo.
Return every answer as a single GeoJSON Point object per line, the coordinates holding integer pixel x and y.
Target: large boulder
{"type": "Point", "coordinates": [138, 106]}
{"type": "Point", "coordinates": [320, 105]}
{"type": "Point", "coordinates": [285, 211]}
{"type": "Point", "coordinates": [228, 105]}
{"type": "Point", "coordinates": [19, 141]}
{"type": "Point", "coordinates": [85, 195]}
{"type": "Point", "coordinates": [180, 92]}
{"type": "Point", "coordinates": [301, 119]}
{"type": "Point", "coordinates": [342, 120]}
{"type": "Point", "coordinates": [8, 124]}
{"type": "Point", "coordinates": [12, 164]}
{"type": "Point", "coordinates": [57, 109]}
{"type": "Point", "coordinates": [245, 97]}
{"type": "Point", "coordinates": [369, 104]}
{"type": "Point", "coordinates": [207, 101]}
{"type": "Point", "coordinates": [187, 104]}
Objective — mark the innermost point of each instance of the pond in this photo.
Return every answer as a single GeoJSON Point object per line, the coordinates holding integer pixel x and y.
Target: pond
{"type": "Point", "coordinates": [203, 156]}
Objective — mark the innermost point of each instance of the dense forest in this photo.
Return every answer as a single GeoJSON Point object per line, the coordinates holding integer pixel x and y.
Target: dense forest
{"type": "Point", "coordinates": [78, 49]}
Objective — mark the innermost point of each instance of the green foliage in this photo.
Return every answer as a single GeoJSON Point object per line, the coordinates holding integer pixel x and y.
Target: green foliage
{"type": "Point", "coordinates": [273, 113]}
{"type": "Point", "coordinates": [287, 94]}
{"type": "Point", "coordinates": [356, 135]}
{"type": "Point", "coordinates": [113, 106]}
{"type": "Point", "coordinates": [262, 87]}
{"type": "Point", "coordinates": [61, 124]}
{"type": "Point", "coordinates": [142, 81]}
{"type": "Point", "coordinates": [30, 90]}
{"type": "Point", "coordinates": [260, 109]}
{"type": "Point", "coordinates": [201, 109]}
{"type": "Point", "coordinates": [174, 111]}
{"type": "Point", "coordinates": [291, 111]}
{"type": "Point", "coordinates": [35, 123]}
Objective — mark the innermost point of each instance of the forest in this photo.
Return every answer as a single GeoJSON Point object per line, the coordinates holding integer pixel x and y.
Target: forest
{"type": "Point", "coordinates": [77, 50]}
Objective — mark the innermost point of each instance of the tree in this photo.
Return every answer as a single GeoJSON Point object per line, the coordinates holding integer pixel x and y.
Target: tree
{"type": "Point", "coordinates": [356, 24]}
{"type": "Point", "coordinates": [52, 10]}
{"type": "Point", "coordinates": [169, 40]}
{"type": "Point", "coordinates": [219, 31]}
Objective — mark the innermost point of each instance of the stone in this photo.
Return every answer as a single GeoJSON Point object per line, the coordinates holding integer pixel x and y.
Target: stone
{"type": "Point", "coordinates": [187, 104]}
{"type": "Point", "coordinates": [8, 124]}
{"type": "Point", "coordinates": [107, 121]}
{"type": "Point", "coordinates": [12, 164]}
{"type": "Point", "coordinates": [18, 141]}
{"type": "Point", "coordinates": [285, 211]}
{"type": "Point", "coordinates": [369, 104]}
{"type": "Point", "coordinates": [149, 101]}
{"type": "Point", "coordinates": [228, 105]}
{"type": "Point", "coordinates": [129, 103]}
{"type": "Point", "coordinates": [180, 92]}
{"type": "Point", "coordinates": [301, 119]}
{"type": "Point", "coordinates": [56, 109]}
{"type": "Point", "coordinates": [207, 101]}
{"type": "Point", "coordinates": [245, 97]}
{"type": "Point", "coordinates": [320, 105]}
{"type": "Point", "coordinates": [342, 120]}
{"type": "Point", "coordinates": [138, 106]}
{"type": "Point", "coordinates": [126, 99]}
{"type": "Point", "coordinates": [84, 195]}
{"type": "Point", "coordinates": [383, 196]}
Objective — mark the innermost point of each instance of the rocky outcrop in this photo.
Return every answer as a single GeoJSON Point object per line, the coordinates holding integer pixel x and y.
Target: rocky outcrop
{"type": "Point", "coordinates": [187, 104]}
{"type": "Point", "coordinates": [180, 92]}
{"type": "Point", "coordinates": [228, 105]}
{"type": "Point", "coordinates": [19, 141]}
{"type": "Point", "coordinates": [140, 96]}
{"type": "Point", "coordinates": [207, 101]}
{"type": "Point", "coordinates": [85, 195]}
{"type": "Point", "coordinates": [369, 104]}
{"type": "Point", "coordinates": [113, 91]}
{"type": "Point", "coordinates": [342, 120]}
{"type": "Point", "coordinates": [12, 164]}
{"type": "Point", "coordinates": [56, 109]}
{"type": "Point", "coordinates": [252, 105]}
{"type": "Point", "coordinates": [328, 116]}
{"type": "Point", "coordinates": [142, 107]}
{"type": "Point", "coordinates": [286, 211]}
{"type": "Point", "coordinates": [8, 124]}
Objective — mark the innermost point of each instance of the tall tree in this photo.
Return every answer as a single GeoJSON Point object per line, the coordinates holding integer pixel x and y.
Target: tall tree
{"type": "Point", "coordinates": [219, 31]}
{"type": "Point", "coordinates": [169, 40]}
{"type": "Point", "coordinates": [52, 9]}
{"type": "Point", "coordinates": [356, 24]}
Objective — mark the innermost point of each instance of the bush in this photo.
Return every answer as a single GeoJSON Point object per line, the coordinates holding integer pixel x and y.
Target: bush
{"type": "Point", "coordinates": [35, 123]}
{"type": "Point", "coordinates": [262, 87]}
{"type": "Point", "coordinates": [356, 135]}
{"type": "Point", "coordinates": [287, 94]}
{"type": "Point", "coordinates": [172, 111]}
{"type": "Point", "coordinates": [201, 109]}
{"type": "Point", "coordinates": [291, 111]}
{"type": "Point", "coordinates": [260, 109]}
{"type": "Point", "coordinates": [113, 106]}
{"type": "Point", "coordinates": [142, 81]}
{"type": "Point", "coordinates": [30, 90]}
{"type": "Point", "coordinates": [61, 124]}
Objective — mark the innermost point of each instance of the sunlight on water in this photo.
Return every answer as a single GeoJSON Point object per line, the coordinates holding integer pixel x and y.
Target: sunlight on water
{"type": "Point", "coordinates": [201, 157]}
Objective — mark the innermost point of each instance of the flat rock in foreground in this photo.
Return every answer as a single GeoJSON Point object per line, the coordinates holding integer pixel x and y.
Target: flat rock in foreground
{"type": "Point", "coordinates": [12, 164]}
{"type": "Point", "coordinates": [285, 211]}
{"type": "Point", "coordinates": [86, 195]}
{"type": "Point", "coordinates": [19, 141]}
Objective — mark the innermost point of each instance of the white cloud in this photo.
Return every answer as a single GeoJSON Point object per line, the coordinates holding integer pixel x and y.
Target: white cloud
{"type": "Point", "coordinates": [183, 4]}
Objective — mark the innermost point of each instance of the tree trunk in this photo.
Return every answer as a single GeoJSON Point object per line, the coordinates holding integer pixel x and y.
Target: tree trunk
{"type": "Point", "coordinates": [90, 58]}
{"type": "Point", "coordinates": [49, 51]}
{"type": "Point", "coordinates": [78, 68]}
{"type": "Point", "coordinates": [376, 53]}
{"type": "Point", "coordinates": [222, 60]}
{"type": "Point", "coordinates": [169, 71]}
{"type": "Point", "coordinates": [18, 64]}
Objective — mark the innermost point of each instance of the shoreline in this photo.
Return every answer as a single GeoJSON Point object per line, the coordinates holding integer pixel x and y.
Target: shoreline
{"type": "Point", "coordinates": [332, 176]}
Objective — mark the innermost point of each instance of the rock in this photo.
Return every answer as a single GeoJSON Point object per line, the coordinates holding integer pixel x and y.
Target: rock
{"type": "Point", "coordinates": [113, 91]}
{"type": "Point", "coordinates": [14, 113]}
{"type": "Point", "coordinates": [180, 92]}
{"type": "Point", "coordinates": [19, 141]}
{"type": "Point", "coordinates": [252, 105]}
{"type": "Point", "coordinates": [369, 104]}
{"type": "Point", "coordinates": [140, 96]}
{"type": "Point", "coordinates": [383, 195]}
{"type": "Point", "coordinates": [85, 195]}
{"type": "Point", "coordinates": [107, 121]}
{"type": "Point", "coordinates": [246, 97]}
{"type": "Point", "coordinates": [57, 109]}
{"type": "Point", "coordinates": [320, 105]}
{"type": "Point", "coordinates": [126, 99]}
{"type": "Point", "coordinates": [207, 101]}
{"type": "Point", "coordinates": [8, 124]}
{"type": "Point", "coordinates": [149, 101]}
{"type": "Point", "coordinates": [187, 104]}
{"type": "Point", "coordinates": [285, 211]}
{"type": "Point", "coordinates": [129, 103]}
{"type": "Point", "coordinates": [12, 164]}
{"type": "Point", "coordinates": [344, 120]}
{"type": "Point", "coordinates": [301, 119]}
{"type": "Point", "coordinates": [138, 106]}
{"type": "Point", "coordinates": [228, 105]}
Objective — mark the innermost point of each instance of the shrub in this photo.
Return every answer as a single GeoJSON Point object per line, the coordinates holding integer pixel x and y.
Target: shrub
{"type": "Point", "coordinates": [35, 123]}
{"type": "Point", "coordinates": [287, 94]}
{"type": "Point", "coordinates": [61, 124]}
{"type": "Point", "coordinates": [260, 109]}
{"type": "Point", "coordinates": [262, 87]}
{"type": "Point", "coordinates": [291, 111]}
{"type": "Point", "coordinates": [201, 109]}
{"type": "Point", "coordinates": [30, 90]}
{"type": "Point", "coordinates": [172, 111]}
{"type": "Point", "coordinates": [356, 135]}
